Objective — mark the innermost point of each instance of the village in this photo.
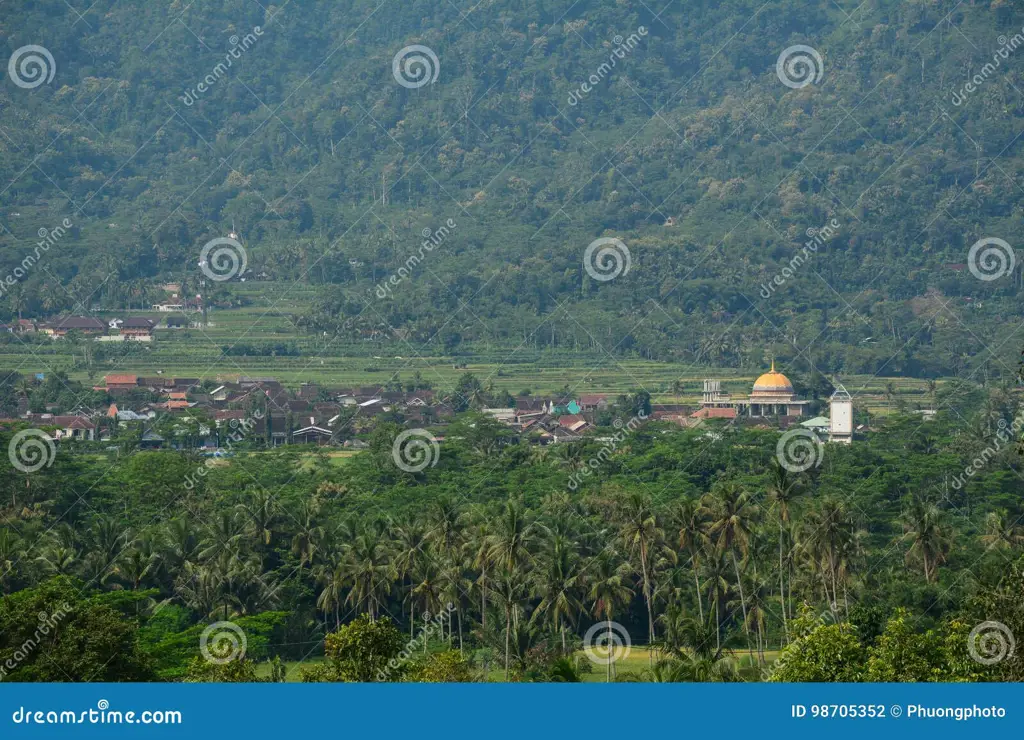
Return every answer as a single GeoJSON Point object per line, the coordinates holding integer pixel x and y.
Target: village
{"type": "Point", "coordinates": [175, 412]}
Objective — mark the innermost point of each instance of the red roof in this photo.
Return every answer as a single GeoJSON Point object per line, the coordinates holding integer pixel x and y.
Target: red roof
{"type": "Point", "coordinates": [121, 380]}
{"type": "Point", "coordinates": [713, 413]}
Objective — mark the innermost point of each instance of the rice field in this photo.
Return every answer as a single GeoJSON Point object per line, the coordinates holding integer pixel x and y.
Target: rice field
{"type": "Point", "coordinates": [268, 316]}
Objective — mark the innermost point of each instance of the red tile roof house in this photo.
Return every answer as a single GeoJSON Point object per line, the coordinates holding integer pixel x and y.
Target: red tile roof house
{"type": "Point", "coordinates": [572, 422]}
{"type": "Point", "coordinates": [121, 382]}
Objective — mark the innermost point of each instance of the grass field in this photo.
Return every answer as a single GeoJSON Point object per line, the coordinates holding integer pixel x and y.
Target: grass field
{"type": "Point", "coordinates": [268, 317]}
{"type": "Point", "coordinates": [636, 662]}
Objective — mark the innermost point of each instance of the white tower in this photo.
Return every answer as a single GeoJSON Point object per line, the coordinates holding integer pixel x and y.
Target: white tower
{"type": "Point", "coordinates": [840, 424]}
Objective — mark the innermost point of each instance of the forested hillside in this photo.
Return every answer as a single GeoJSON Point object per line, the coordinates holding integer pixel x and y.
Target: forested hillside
{"type": "Point", "coordinates": [690, 149]}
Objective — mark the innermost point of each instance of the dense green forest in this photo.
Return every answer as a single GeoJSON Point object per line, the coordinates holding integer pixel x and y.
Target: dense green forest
{"type": "Point", "coordinates": [697, 542]}
{"type": "Point", "coordinates": [691, 150]}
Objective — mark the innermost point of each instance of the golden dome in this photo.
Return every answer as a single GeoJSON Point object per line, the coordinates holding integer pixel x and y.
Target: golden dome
{"type": "Point", "coordinates": [773, 382]}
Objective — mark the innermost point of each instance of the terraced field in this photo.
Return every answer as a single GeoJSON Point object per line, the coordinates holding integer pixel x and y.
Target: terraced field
{"type": "Point", "coordinates": [268, 319]}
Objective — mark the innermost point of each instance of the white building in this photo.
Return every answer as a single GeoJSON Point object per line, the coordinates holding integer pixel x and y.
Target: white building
{"type": "Point", "coordinates": [840, 428]}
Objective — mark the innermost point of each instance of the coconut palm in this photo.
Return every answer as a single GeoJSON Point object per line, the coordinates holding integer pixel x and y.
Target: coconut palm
{"type": "Point", "coordinates": [558, 582]}
{"type": "Point", "coordinates": [783, 490]}
{"type": "Point", "coordinates": [1000, 532]}
{"type": "Point", "coordinates": [688, 517]}
{"type": "Point", "coordinates": [333, 577]}
{"type": "Point", "coordinates": [367, 565]}
{"type": "Point", "coordinates": [608, 590]}
{"type": "Point", "coordinates": [925, 527]}
{"type": "Point", "coordinates": [731, 518]}
{"type": "Point", "coordinates": [644, 541]}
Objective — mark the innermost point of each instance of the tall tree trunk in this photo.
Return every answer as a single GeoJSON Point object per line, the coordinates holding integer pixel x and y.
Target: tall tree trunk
{"type": "Point", "coordinates": [508, 634]}
{"type": "Point", "coordinates": [782, 586]}
{"type": "Point", "coordinates": [743, 603]}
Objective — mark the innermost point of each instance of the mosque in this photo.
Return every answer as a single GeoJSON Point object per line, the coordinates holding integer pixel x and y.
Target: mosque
{"type": "Point", "coordinates": [772, 396]}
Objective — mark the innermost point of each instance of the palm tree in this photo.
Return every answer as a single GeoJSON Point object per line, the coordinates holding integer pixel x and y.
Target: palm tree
{"type": "Point", "coordinates": [333, 577]}
{"type": "Point", "coordinates": [608, 590]}
{"type": "Point", "coordinates": [830, 532]}
{"type": "Point", "coordinates": [260, 512]}
{"type": "Point", "coordinates": [731, 518]}
{"type": "Point", "coordinates": [180, 544]}
{"type": "Point", "coordinates": [644, 539]}
{"type": "Point", "coordinates": [409, 543]}
{"type": "Point", "coordinates": [367, 566]}
{"type": "Point", "coordinates": [308, 534]}
{"type": "Point", "coordinates": [714, 572]}
{"type": "Point", "coordinates": [1000, 533]}
{"type": "Point", "coordinates": [557, 582]}
{"type": "Point", "coordinates": [510, 549]}
{"type": "Point", "coordinates": [689, 519]}
{"type": "Point", "coordinates": [783, 490]}
{"type": "Point", "coordinates": [924, 525]}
